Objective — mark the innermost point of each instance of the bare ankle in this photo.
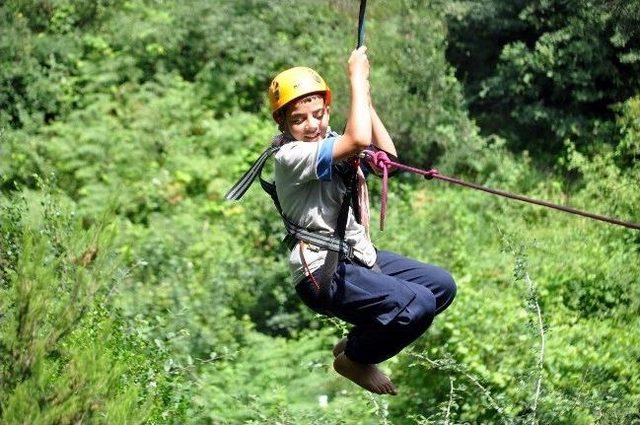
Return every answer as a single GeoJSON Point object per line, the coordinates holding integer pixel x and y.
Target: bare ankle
{"type": "Point", "coordinates": [339, 347]}
{"type": "Point", "coordinates": [367, 376]}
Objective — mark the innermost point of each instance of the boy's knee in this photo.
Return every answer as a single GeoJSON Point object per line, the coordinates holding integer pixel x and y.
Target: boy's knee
{"type": "Point", "coordinates": [420, 311]}
{"type": "Point", "coordinates": [428, 305]}
{"type": "Point", "coordinates": [449, 285]}
{"type": "Point", "coordinates": [448, 290]}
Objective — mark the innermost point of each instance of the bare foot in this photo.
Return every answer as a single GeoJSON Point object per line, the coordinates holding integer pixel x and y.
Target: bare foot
{"type": "Point", "coordinates": [339, 347]}
{"type": "Point", "coordinates": [368, 377]}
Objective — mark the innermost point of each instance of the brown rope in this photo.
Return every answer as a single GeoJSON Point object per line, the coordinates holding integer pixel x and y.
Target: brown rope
{"type": "Point", "coordinates": [384, 162]}
{"type": "Point", "coordinates": [537, 202]}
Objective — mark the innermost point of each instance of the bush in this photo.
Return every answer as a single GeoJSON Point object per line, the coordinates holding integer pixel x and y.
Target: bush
{"type": "Point", "coordinates": [539, 73]}
{"type": "Point", "coordinates": [66, 353]}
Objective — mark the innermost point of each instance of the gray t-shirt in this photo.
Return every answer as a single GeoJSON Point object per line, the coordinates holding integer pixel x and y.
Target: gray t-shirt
{"type": "Point", "coordinates": [311, 196]}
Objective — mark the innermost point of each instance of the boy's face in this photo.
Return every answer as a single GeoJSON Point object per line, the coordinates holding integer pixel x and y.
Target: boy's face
{"type": "Point", "coordinates": [308, 119]}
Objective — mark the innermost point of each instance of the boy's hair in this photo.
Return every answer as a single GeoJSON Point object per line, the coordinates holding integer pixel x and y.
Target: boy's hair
{"type": "Point", "coordinates": [282, 113]}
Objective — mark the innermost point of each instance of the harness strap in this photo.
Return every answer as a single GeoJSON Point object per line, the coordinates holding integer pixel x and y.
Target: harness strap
{"type": "Point", "coordinates": [326, 242]}
{"type": "Point", "coordinates": [350, 199]}
{"type": "Point", "coordinates": [307, 270]}
{"type": "Point", "coordinates": [238, 190]}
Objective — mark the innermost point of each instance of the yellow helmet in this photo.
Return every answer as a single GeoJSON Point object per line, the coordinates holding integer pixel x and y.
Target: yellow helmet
{"type": "Point", "coordinates": [294, 83]}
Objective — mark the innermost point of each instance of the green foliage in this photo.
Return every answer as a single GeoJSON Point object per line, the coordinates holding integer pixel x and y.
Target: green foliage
{"type": "Point", "coordinates": [488, 340]}
{"type": "Point", "coordinates": [42, 74]}
{"type": "Point", "coordinates": [278, 380]}
{"type": "Point", "coordinates": [50, 76]}
{"type": "Point", "coordinates": [132, 292]}
{"type": "Point", "coordinates": [66, 356]}
{"type": "Point", "coordinates": [420, 98]}
{"type": "Point", "coordinates": [538, 73]}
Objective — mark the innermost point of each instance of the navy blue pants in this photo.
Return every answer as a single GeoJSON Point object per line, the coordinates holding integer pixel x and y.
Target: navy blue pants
{"type": "Point", "coordinates": [389, 309]}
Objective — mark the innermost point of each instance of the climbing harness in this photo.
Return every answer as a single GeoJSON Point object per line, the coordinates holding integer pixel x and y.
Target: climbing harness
{"type": "Point", "coordinates": [381, 161]}
{"type": "Point", "coordinates": [336, 245]}
{"type": "Point", "coordinates": [295, 232]}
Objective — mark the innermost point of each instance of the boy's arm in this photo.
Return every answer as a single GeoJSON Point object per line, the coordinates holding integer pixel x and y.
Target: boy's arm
{"type": "Point", "coordinates": [357, 134]}
{"type": "Point", "coordinates": [381, 137]}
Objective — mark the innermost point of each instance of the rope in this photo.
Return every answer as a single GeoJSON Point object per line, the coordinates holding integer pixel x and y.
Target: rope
{"type": "Point", "coordinates": [382, 161]}
{"type": "Point", "coordinates": [306, 268]}
{"type": "Point", "coordinates": [363, 7]}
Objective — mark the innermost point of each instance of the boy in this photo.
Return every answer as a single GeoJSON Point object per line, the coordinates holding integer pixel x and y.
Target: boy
{"type": "Point", "coordinates": [390, 300]}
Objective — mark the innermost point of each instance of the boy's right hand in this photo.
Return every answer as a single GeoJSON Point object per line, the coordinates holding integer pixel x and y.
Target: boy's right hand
{"type": "Point", "coordinates": [357, 132]}
{"type": "Point", "coordinates": [359, 64]}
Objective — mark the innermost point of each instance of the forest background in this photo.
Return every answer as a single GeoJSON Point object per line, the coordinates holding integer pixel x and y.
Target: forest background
{"type": "Point", "coordinates": [131, 292]}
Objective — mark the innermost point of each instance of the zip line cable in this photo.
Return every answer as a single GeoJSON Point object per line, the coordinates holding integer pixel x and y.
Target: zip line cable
{"type": "Point", "coordinates": [363, 7]}
{"type": "Point", "coordinates": [381, 161]}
